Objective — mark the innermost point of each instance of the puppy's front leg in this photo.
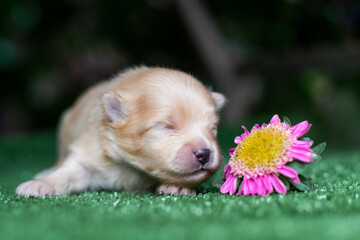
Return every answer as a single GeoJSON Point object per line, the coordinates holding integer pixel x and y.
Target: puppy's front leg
{"type": "Point", "coordinates": [70, 177]}
{"type": "Point", "coordinates": [174, 190]}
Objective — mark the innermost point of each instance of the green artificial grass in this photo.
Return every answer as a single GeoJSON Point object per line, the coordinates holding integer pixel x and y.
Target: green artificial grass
{"type": "Point", "coordinates": [330, 211]}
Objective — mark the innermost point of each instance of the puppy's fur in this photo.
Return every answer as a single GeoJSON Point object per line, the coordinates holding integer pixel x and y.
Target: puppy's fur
{"type": "Point", "coordinates": [138, 132]}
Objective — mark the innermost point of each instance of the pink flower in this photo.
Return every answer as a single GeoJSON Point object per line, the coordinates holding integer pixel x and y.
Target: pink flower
{"type": "Point", "coordinates": [261, 156]}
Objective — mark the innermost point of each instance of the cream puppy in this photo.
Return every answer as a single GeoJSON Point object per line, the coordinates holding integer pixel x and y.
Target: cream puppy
{"type": "Point", "coordinates": [146, 129]}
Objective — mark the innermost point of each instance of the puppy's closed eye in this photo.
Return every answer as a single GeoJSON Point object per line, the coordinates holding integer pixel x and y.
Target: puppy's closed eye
{"type": "Point", "coordinates": [164, 127]}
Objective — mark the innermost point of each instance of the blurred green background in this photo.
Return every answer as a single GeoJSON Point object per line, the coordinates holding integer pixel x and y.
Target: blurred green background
{"type": "Point", "coordinates": [295, 58]}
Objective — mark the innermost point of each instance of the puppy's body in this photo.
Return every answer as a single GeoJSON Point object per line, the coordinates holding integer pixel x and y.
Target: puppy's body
{"type": "Point", "coordinates": [146, 128]}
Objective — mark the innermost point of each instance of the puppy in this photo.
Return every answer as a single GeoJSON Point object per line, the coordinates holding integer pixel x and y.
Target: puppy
{"type": "Point", "coordinates": [147, 129]}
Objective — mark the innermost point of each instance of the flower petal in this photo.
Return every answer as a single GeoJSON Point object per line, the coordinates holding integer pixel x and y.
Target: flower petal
{"type": "Point", "coordinates": [301, 150]}
{"type": "Point", "coordinates": [296, 180]}
{"type": "Point", "coordinates": [233, 186]}
{"type": "Point", "coordinates": [300, 129]}
{"type": "Point", "coordinates": [228, 184]}
{"type": "Point", "coordinates": [290, 173]}
{"type": "Point", "coordinates": [225, 187]}
{"type": "Point", "coordinates": [278, 184]}
{"type": "Point", "coordinates": [267, 183]}
{"type": "Point", "coordinates": [287, 172]}
{"type": "Point", "coordinates": [227, 170]}
{"type": "Point", "coordinates": [300, 143]}
{"type": "Point", "coordinates": [246, 131]}
{"type": "Point", "coordinates": [300, 126]}
{"type": "Point", "coordinates": [245, 186]}
{"type": "Point", "coordinates": [303, 153]}
{"type": "Point", "coordinates": [256, 126]}
{"type": "Point", "coordinates": [301, 157]}
{"type": "Point", "coordinates": [231, 151]}
{"type": "Point", "coordinates": [252, 186]}
{"type": "Point", "coordinates": [261, 190]}
{"type": "Point", "coordinates": [275, 119]}
{"type": "Point", "coordinates": [243, 136]}
{"type": "Point", "coordinates": [237, 140]}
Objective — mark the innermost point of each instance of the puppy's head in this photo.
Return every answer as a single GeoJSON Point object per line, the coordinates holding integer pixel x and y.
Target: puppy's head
{"type": "Point", "coordinates": [165, 123]}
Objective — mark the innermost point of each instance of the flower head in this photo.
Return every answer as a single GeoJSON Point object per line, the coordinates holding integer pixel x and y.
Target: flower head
{"type": "Point", "coordinates": [262, 157]}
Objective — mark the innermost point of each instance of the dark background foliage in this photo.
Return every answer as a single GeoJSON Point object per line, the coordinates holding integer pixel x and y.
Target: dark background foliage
{"type": "Point", "coordinates": [302, 57]}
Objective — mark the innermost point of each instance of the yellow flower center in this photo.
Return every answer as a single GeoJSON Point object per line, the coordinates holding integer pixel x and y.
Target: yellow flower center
{"type": "Point", "coordinates": [262, 151]}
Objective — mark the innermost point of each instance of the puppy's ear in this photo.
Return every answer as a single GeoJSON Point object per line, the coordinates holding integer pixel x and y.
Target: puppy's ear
{"type": "Point", "coordinates": [115, 106]}
{"type": "Point", "coordinates": [219, 100]}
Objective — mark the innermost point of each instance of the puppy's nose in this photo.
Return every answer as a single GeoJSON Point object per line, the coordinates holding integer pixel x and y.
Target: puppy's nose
{"type": "Point", "coordinates": [202, 155]}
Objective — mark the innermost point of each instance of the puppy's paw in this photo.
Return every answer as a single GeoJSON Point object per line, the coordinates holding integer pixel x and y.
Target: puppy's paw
{"type": "Point", "coordinates": [35, 188]}
{"type": "Point", "coordinates": [174, 190]}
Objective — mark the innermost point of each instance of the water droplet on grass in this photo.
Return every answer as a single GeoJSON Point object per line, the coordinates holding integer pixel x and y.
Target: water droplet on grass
{"type": "Point", "coordinates": [322, 197]}
{"type": "Point", "coordinates": [116, 203]}
{"type": "Point", "coordinates": [198, 211]}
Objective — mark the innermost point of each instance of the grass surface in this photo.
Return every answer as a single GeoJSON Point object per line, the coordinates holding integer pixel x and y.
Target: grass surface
{"type": "Point", "coordinates": [330, 211]}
